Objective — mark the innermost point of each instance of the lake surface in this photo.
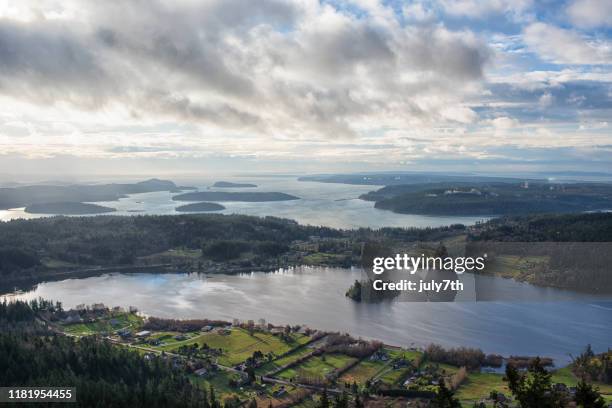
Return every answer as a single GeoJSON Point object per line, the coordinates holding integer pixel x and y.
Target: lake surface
{"type": "Point", "coordinates": [561, 325]}
{"type": "Point", "coordinates": [331, 205]}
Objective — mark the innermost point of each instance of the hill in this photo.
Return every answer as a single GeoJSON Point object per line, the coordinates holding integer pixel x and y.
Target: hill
{"type": "Point", "coordinates": [491, 199]}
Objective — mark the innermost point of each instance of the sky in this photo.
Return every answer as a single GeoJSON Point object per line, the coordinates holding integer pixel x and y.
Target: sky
{"type": "Point", "coordinates": [304, 86]}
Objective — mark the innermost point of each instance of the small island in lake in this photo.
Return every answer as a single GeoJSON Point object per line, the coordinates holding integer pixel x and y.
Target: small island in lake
{"type": "Point", "coordinates": [252, 197]}
{"type": "Point", "coordinates": [228, 184]}
{"type": "Point", "coordinates": [200, 207]}
{"type": "Point", "coordinates": [68, 208]}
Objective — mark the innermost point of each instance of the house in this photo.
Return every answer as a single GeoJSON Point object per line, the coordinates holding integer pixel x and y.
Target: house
{"type": "Point", "coordinates": [80, 307]}
{"type": "Point", "coordinates": [144, 333]}
{"type": "Point", "coordinates": [202, 372]}
{"type": "Point", "coordinates": [206, 329]}
{"type": "Point", "coordinates": [124, 332]}
{"type": "Point", "coordinates": [379, 355]}
{"type": "Point", "coordinates": [73, 318]}
{"type": "Point", "coordinates": [401, 363]}
{"type": "Point", "coordinates": [118, 309]}
{"type": "Point", "coordinates": [98, 307]}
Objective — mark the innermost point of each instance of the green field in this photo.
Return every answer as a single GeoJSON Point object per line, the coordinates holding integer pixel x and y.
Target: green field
{"type": "Point", "coordinates": [104, 325]}
{"type": "Point", "coordinates": [280, 362]}
{"type": "Point", "coordinates": [362, 372]}
{"type": "Point", "coordinates": [479, 386]}
{"type": "Point", "coordinates": [317, 367]}
{"type": "Point", "coordinates": [240, 345]}
{"type": "Point", "coordinates": [565, 375]}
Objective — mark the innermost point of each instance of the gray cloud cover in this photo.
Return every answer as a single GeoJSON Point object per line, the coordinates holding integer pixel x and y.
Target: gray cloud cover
{"type": "Point", "coordinates": [270, 66]}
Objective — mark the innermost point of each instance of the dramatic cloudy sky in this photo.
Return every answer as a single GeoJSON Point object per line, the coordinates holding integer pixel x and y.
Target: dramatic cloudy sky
{"type": "Point", "coordinates": [305, 85]}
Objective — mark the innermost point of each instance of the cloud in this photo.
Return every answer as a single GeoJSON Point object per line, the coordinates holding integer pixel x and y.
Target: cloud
{"type": "Point", "coordinates": [482, 8]}
{"type": "Point", "coordinates": [292, 68]}
{"type": "Point", "coordinates": [590, 13]}
{"type": "Point", "coordinates": [566, 46]}
{"type": "Point", "coordinates": [354, 80]}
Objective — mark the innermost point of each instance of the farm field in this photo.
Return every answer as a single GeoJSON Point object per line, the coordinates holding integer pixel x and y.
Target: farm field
{"type": "Point", "coordinates": [317, 367]}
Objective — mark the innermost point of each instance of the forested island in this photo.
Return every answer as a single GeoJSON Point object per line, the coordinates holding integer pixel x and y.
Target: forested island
{"type": "Point", "coordinates": [251, 197]}
{"type": "Point", "coordinates": [229, 184]}
{"type": "Point", "coordinates": [200, 207]}
{"type": "Point", "coordinates": [67, 208]}
{"type": "Point", "coordinates": [115, 356]}
{"type": "Point", "coordinates": [492, 199]}
{"type": "Point", "coordinates": [25, 196]}
{"type": "Point", "coordinates": [41, 249]}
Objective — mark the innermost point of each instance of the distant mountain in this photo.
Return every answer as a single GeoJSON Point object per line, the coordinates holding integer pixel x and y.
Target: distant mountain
{"type": "Point", "coordinates": [24, 196]}
{"type": "Point", "coordinates": [68, 208]}
{"type": "Point", "coordinates": [200, 207]}
{"type": "Point", "coordinates": [228, 184]}
{"type": "Point", "coordinates": [234, 196]}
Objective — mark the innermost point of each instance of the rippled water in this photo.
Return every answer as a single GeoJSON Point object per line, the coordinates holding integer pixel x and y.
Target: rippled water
{"type": "Point", "coordinates": [563, 324]}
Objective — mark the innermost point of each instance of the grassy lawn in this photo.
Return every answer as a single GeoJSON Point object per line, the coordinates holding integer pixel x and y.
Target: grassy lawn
{"type": "Point", "coordinates": [516, 267]}
{"type": "Point", "coordinates": [479, 386]}
{"type": "Point", "coordinates": [565, 375]}
{"type": "Point", "coordinates": [319, 258]}
{"type": "Point", "coordinates": [276, 364]}
{"type": "Point", "coordinates": [104, 325]}
{"type": "Point", "coordinates": [220, 383]}
{"type": "Point", "coordinates": [56, 263]}
{"type": "Point", "coordinates": [317, 366]}
{"type": "Point", "coordinates": [362, 371]}
{"type": "Point", "coordinates": [393, 376]}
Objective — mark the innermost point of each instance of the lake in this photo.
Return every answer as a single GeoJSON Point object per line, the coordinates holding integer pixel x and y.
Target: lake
{"type": "Point", "coordinates": [331, 205]}
{"type": "Point", "coordinates": [561, 323]}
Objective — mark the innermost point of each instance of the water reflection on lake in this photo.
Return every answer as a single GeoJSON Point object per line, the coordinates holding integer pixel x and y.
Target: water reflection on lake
{"type": "Point", "coordinates": [315, 296]}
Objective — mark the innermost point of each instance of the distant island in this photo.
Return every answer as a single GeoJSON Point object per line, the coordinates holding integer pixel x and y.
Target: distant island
{"type": "Point", "coordinates": [251, 197]}
{"type": "Point", "coordinates": [403, 178]}
{"type": "Point", "coordinates": [228, 184]}
{"type": "Point", "coordinates": [68, 208]}
{"type": "Point", "coordinates": [492, 199]}
{"type": "Point", "coordinates": [199, 207]}
{"type": "Point", "coordinates": [25, 196]}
